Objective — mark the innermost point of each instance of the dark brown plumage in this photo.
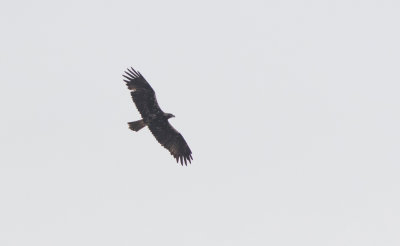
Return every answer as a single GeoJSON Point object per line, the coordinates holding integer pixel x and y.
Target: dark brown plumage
{"type": "Point", "coordinates": [152, 116]}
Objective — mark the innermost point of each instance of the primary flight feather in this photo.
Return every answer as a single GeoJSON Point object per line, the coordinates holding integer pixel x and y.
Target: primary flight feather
{"type": "Point", "coordinates": [154, 118]}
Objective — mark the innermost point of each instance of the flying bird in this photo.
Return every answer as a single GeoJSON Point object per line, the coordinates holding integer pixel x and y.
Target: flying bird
{"type": "Point", "coordinates": [154, 118]}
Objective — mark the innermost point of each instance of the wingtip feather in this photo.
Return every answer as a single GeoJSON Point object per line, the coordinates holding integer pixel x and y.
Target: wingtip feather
{"type": "Point", "coordinates": [130, 74]}
{"type": "Point", "coordinates": [134, 72]}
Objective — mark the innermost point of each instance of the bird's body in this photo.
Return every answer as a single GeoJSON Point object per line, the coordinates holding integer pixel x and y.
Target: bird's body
{"type": "Point", "coordinates": [154, 118]}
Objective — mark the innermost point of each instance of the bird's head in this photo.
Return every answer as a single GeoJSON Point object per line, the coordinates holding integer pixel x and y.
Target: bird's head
{"type": "Point", "coordinates": [168, 115]}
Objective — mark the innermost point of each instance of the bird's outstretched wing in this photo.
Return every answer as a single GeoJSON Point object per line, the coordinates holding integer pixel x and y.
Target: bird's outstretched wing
{"type": "Point", "coordinates": [142, 94]}
{"type": "Point", "coordinates": [172, 140]}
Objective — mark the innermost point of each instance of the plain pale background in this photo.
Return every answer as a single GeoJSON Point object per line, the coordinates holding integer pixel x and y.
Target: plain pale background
{"type": "Point", "coordinates": [291, 109]}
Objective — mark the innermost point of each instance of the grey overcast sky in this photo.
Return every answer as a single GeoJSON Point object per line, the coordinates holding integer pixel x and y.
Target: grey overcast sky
{"type": "Point", "coordinates": [291, 109]}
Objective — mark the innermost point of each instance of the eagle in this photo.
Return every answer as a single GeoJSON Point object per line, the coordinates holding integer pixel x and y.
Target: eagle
{"type": "Point", "coordinates": [154, 118]}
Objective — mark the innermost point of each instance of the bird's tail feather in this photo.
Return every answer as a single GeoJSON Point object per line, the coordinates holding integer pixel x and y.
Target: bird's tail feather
{"type": "Point", "coordinates": [136, 125]}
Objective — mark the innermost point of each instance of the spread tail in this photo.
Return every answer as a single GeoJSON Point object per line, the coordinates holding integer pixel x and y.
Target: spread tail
{"type": "Point", "coordinates": [136, 125]}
